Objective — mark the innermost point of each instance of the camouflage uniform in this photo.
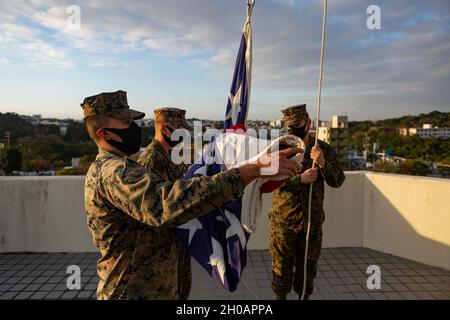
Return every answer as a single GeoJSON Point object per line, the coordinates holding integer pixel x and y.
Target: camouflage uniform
{"type": "Point", "coordinates": [155, 158]}
{"type": "Point", "coordinates": [129, 209]}
{"type": "Point", "coordinates": [289, 218]}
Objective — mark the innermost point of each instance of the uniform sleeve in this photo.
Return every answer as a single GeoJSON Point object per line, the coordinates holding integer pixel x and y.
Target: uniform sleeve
{"type": "Point", "coordinates": [150, 159]}
{"type": "Point", "coordinates": [145, 159]}
{"type": "Point", "coordinates": [296, 180]}
{"type": "Point", "coordinates": [153, 201]}
{"type": "Point", "coordinates": [332, 173]}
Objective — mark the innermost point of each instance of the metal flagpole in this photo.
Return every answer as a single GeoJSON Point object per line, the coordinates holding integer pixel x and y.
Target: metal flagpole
{"type": "Point", "coordinates": [319, 96]}
{"type": "Point", "coordinates": [250, 5]}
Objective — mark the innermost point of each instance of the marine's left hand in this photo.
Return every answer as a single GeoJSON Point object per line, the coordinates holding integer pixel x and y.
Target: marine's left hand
{"type": "Point", "coordinates": [317, 156]}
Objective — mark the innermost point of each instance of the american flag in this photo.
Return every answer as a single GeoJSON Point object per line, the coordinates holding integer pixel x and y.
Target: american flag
{"type": "Point", "coordinates": [217, 240]}
{"type": "Point", "coordinates": [239, 96]}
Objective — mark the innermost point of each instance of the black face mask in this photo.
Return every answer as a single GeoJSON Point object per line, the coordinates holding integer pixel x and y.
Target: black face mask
{"type": "Point", "coordinates": [299, 132]}
{"type": "Point", "coordinates": [168, 139]}
{"type": "Point", "coordinates": [130, 136]}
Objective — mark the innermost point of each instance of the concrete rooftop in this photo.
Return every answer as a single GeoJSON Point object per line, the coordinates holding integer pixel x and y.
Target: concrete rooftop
{"type": "Point", "coordinates": [342, 275]}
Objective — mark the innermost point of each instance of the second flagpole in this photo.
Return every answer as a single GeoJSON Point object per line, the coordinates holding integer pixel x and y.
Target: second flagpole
{"type": "Point", "coordinates": [319, 97]}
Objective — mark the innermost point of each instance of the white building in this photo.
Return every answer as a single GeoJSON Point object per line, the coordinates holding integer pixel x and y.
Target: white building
{"type": "Point", "coordinates": [339, 122]}
{"type": "Point", "coordinates": [427, 131]}
{"type": "Point", "coordinates": [52, 122]}
{"type": "Point", "coordinates": [63, 130]}
{"type": "Point", "coordinates": [276, 123]}
{"type": "Point", "coordinates": [75, 162]}
{"type": "Point", "coordinates": [335, 133]}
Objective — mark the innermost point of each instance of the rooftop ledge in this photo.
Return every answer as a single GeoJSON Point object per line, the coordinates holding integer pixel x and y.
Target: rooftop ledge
{"type": "Point", "coordinates": [405, 216]}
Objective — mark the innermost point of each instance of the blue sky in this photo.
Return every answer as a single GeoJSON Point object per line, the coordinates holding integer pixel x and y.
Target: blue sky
{"type": "Point", "coordinates": [182, 53]}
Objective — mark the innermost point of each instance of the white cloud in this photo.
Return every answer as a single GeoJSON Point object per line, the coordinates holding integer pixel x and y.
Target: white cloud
{"type": "Point", "coordinates": [104, 64]}
{"type": "Point", "coordinates": [29, 44]}
{"type": "Point", "coordinates": [4, 61]}
{"type": "Point", "coordinates": [12, 33]}
{"type": "Point", "coordinates": [173, 46]}
{"type": "Point", "coordinates": [55, 18]}
{"type": "Point", "coordinates": [43, 54]}
{"type": "Point", "coordinates": [405, 63]}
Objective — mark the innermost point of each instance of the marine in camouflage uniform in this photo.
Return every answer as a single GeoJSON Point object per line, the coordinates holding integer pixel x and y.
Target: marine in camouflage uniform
{"type": "Point", "coordinates": [130, 209]}
{"type": "Point", "coordinates": [288, 218]}
{"type": "Point", "coordinates": [155, 158]}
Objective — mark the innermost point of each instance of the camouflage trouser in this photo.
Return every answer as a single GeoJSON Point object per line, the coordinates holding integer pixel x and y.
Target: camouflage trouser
{"type": "Point", "coordinates": [184, 272]}
{"type": "Point", "coordinates": [287, 248]}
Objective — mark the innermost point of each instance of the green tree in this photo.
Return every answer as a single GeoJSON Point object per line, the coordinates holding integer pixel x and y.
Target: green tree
{"type": "Point", "coordinates": [148, 133]}
{"type": "Point", "coordinates": [76, 132]}
{"type": "Point", "coordinates": [68, 172]}
{"type": "Point", "coordinates": [444, 171]}
{"type": "Point", "coordinates": [11, 122]}
{"type": "Point", "coordinates": [38, 165]}
{"type": "Point", "coordinates": [10, 159]}
{"type": "Point", "coordinates": [55, 150]}
{"type": "Point", "coordinates": [446, 161]}
{"type": "Point", "coordinates": [413, 167]}
{"type": "Point", "coordinates": [382, 166]}
{"type": "Point", "coordinates": [86, 161]}
{"type": "Point", "coordinates": [46, 130]}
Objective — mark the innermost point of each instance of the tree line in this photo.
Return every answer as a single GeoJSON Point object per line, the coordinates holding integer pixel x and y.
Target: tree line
{"type": "Point", "coordinates": [39, 148]}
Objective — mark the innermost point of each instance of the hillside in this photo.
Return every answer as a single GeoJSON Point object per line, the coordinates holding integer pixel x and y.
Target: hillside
{"type": "Point", "coordinates": [436, 118]}
{"type": "Point", "coordinates": [15, 125]}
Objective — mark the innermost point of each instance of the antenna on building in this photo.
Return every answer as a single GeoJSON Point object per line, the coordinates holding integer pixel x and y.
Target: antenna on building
{"type": "Point", "coordinates": [8, 138]}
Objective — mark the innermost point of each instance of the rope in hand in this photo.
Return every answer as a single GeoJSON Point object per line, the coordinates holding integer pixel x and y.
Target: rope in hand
{"type": "Point", "coordinates": [319, 96]}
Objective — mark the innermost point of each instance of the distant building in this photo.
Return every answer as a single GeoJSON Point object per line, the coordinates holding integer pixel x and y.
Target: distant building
{"type": "Point", "coordinates": [276, 123]}
{"type": "Point", "coordinates": [149, 123]}
{"type": "Point", "coordinates": [52, 122]}
{"type": "Point", "coordinates": [340, 122]}
{"type": "Point", "coordinates": [38, 120]}
{"type": "Point", "coordinates": [404, 131]}
{"type": "Point", "coordinates": [75, 162]}
{"type": "Point", "coordinates": [140, 122]}
{"type": "Point", "coordinates": [145, 123]}
{"type": "Point", "coordinates": [63, 130]}
{"type": "Point", "coordinates": [427, 131]}
{"type": "Point", "coordinates": [335, 133]}
{"type": "Point", "coordinates": [376, 146]}
{"type": "Point", "coordinates": [34, 119]}
{"type": "Point", "coordinates": [323, 124]}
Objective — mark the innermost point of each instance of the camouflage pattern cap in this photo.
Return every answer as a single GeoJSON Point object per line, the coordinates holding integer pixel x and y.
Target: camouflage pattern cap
{"type": "Point", "coordinates": [111, 104]}
{"type": "Point", "coordinates": [173, 117]}
{"type": "Point", "coordinates": [292, 116]}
